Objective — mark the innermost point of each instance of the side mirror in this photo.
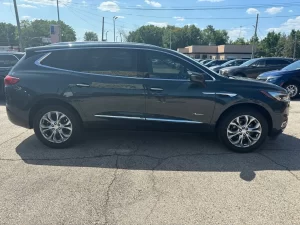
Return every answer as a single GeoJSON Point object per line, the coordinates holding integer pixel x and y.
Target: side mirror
{"type": "Point", "coordinates": [197, 78]}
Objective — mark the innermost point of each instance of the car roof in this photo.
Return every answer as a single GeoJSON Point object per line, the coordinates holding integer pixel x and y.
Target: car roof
{"type": "Point", "coordinates": [274, 58]}
{"type": "Point", "coordinates": [93, 44]}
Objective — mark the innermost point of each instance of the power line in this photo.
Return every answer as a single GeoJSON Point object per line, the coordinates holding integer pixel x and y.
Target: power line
{"type": "Point", "coordinates": [203, 18]}
{"type": "Point", "coordinates": [205, 8]}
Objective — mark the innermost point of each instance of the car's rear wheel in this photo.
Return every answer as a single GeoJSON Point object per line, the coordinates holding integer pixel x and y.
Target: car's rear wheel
{"type": "Point", "coordinates": [293, 90]}
{"type": "Point", "coordinates": [243, 130]}
{"type": "Point", "coordinates": [56, 126]}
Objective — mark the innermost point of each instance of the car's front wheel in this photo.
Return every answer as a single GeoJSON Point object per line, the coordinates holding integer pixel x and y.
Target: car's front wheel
{"type": "Point", "coordinates": [293, 90]}
{"type": "Point", "coordinates": [56, 126]}
{"type": "Point", "coordinates": [243, 130]}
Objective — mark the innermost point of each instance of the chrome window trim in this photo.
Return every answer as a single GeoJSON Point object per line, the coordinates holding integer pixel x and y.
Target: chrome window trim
{"type": "Point", "coordinates": [38, 63]}
{"type": "Point", "coordinates": [147, 119]}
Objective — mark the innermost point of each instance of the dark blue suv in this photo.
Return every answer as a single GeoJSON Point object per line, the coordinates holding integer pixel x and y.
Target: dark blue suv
{"type": "Point", "coordinates": [288, 78]}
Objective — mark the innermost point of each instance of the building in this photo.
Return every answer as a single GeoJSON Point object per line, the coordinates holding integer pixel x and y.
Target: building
{"type": "Point", "coordinates": [217, 52]}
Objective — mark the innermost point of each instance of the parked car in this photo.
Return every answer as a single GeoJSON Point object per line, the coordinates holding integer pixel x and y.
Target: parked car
{"type": "Point", "coordinates": [203, 62]}
{"type": "Point", "coordinates": [234, 62]}
{"type": "Point", "coordinates": [215, 62]}
{"type": "Point", "coordinates": [198, 60]}
{"type": "Point", "coordinates": [58, 89]}
{"type": "Point", "coordinates": [7, 61]}
{"type": "Point", "coordinates": [254, 67]}
{"type": "Point", "coordinates": [288, 78]}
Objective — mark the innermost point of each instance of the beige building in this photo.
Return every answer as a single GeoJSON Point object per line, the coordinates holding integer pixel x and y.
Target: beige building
{"type": "Point", "coordinates": [217, 52]}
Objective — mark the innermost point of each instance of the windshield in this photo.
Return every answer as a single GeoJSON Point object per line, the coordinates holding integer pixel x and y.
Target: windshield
{"type": "Point", "coordinates": [228, 63]}
{"type": "Point", "coordinates": [248, 63]}
{"type": "Point", "coordinates": [293, 66]}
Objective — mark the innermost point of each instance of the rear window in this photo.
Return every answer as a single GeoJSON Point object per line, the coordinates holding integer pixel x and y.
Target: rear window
{"type": "Point", "coordinates": [8, 60]}
{"type": "Point", "coordinates": [119, 62]}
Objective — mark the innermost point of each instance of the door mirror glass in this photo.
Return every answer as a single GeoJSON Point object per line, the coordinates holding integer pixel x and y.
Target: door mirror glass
{"type": "Point", "coordinates": [197, 78]}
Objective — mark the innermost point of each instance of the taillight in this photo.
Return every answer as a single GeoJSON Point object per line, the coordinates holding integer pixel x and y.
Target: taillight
{"type": "Point", "coordinates": [9, 80]}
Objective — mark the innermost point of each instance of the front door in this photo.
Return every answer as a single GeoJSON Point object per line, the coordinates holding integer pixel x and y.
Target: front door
{"type": "Point", "coordinates": [257, 68]}
{"type": "Point", "coordinates": [171, 96]}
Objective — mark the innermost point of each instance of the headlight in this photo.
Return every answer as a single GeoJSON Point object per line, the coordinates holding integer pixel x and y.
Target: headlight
{"type": "Point", "coordinates": [223, 72]}
{"type": "Point", "coordinates": [278, 95]}
{"type": "Point", "coordinates": [270, 79]}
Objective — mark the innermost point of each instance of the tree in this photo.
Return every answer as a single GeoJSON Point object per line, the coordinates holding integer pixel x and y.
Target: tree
{"type": "Point", "coordinates": [211, 36]}
{"type": "Point", "coordinates": [240, 41]}
{"type": "Point", "coordinates": [147, 34]}
{"type": "Point", "coordinates": [270, 44]}
{"type": "Point", "coordinates": [8, 34]}
{"type": "Point", "coordinates": [34, 31]}
{"type": "Point", "coordinates": [90, 36]}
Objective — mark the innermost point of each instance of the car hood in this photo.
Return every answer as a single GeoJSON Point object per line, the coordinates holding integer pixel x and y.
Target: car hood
{"type": "Point", "coordinates": [243, 81]}
{"type": "Point", "coordinates": [233, 67]}
{"type": "Point", "coordinates": [216, 67]}
{"type": "Point", "coordinates": [276, 73]}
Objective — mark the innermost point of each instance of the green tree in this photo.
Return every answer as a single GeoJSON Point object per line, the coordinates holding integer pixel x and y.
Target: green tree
{"type": "Point", "coordinates": [8, 34]}
{"type": "Point", "coordinates": [211, 36]}
{"type": "Point", "coordinates": [90, 36]}
{"type": "Point", "coordinates": [34, 31]}
{"type": "Point", "coordinates": [240, 41]}
{"type": "Point", "coordinates": [147, 34]}
{"type": "Point", "coordinates": [270, 44]}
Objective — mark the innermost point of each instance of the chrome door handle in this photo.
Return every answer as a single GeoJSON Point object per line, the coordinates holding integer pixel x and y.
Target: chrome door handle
{"type": "Point", "coordinates": [156, 89]}
{"type": "Point", "coordinates": [82, 85]}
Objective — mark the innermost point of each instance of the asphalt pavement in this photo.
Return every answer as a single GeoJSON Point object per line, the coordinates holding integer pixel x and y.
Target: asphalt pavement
{"type": "Point", "coordinates": [148, 177]}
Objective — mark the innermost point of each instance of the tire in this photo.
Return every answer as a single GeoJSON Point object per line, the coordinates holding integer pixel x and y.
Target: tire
{"type": "Point", "coordinates": [66, 133]}
{"type": "Point", "coordinates": [293, 89]}
{"type": "Point", "coordinates": [225, 130]}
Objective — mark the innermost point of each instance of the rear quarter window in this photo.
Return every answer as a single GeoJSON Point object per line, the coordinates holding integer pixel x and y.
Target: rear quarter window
{"type": "Point", "coordinates": [119, 62]}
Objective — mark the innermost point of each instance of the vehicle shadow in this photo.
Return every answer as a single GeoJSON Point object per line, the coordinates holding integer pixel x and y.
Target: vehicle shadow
{"type": "Point", "coordinates": [163, 151]}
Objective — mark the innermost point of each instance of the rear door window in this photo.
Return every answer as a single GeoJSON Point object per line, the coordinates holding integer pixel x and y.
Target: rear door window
{"type": "Point", "coordinates": [277, 62]}
{"type": "Point", "coordinates": [8, 60]}
{"type": "Point", "coordinates": [105, 61]}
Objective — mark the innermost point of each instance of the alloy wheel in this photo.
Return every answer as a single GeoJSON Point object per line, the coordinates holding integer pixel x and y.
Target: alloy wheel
{"type": "Point", "coordinates": [56, 127]}
{"type": "Point", "coordinates": [292, 90]}
{"type": "Point", "coordinates": [244, 131]}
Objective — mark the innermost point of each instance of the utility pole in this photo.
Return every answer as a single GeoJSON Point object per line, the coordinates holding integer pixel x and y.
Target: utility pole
{"type": "Point", "coordinates": [114, 19]}
{"type": "Point", "coordinates": [121, 37]}
{"type": "Point", "coordinates": [170, 39]}
{"type": "Point", "coordinates": [19, 27]}
{"type": "Point", "coordinates": [102, 28]}
{"type": "Point", "coordinates": [295, 46]}
{"type": "Point", "coordinates": [58, 20]}
{"type": "Point", "coordinates": [106, 35]}
{"type": "Point", "coordinates": [254, 38]}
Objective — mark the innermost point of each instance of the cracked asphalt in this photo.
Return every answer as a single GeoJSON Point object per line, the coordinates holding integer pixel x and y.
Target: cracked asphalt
{"type": "Point", "coordinates": [148, 177]}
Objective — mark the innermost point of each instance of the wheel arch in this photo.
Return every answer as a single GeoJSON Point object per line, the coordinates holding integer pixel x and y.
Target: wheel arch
{"type": "Point", "coordinates": [257, 107]}
{"type": "Point", "coordinates": [39, 104]}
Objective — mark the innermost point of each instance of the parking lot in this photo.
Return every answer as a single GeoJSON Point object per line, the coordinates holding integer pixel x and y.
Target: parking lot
{"type": "Point", "coordinates": [148, 177]}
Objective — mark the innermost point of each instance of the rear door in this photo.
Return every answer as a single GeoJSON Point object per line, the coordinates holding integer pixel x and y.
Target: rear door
{"type": "Point", "coordinates": [105, 82]}
{"type": "Point", "coordinates": [171, 96]}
